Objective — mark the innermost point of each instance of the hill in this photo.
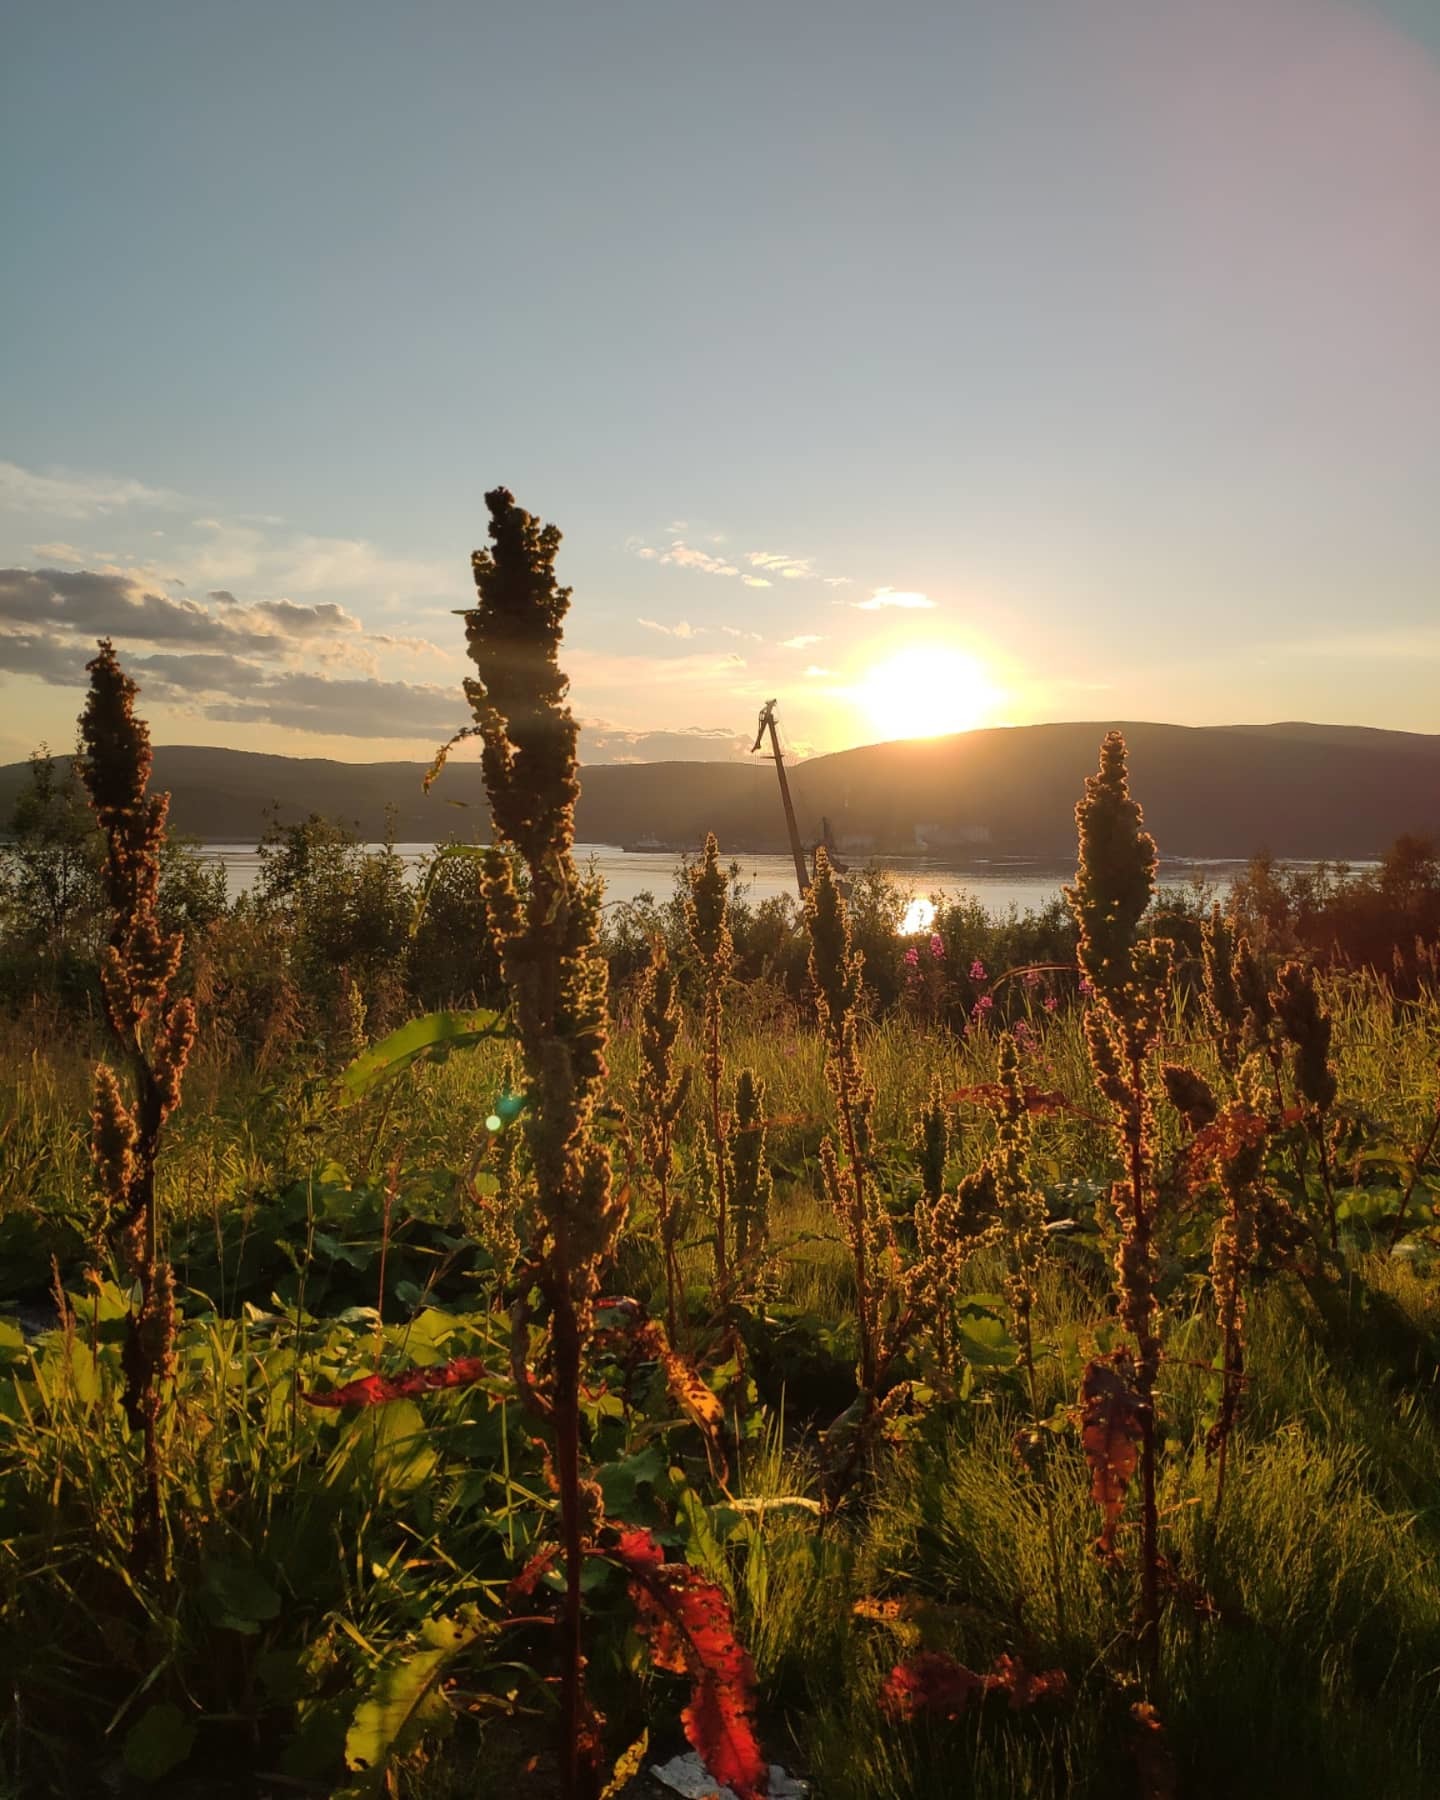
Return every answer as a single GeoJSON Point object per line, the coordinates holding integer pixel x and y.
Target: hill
{"type": "Point", "coordinates": [1297, 790]}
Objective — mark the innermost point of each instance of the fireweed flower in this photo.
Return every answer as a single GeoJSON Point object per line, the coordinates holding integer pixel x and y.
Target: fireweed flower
{"type": "Point", "coordinates": [1031, 978]}
{"type": "Point", "coordinates": [1050, 1003]}
{"type": "Point", "coordinates": [937, 946]}
{"type": "Point", "coordinates": [1087, 986]}
{"type": "Point", "coordinates": [912, 958]}
{"type": "Point", "coordinates": [982, 1009]}
{"type": "Point", "coordinates": [977, 971]}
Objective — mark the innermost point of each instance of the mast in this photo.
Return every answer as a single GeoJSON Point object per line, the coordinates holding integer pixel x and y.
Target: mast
{"type": "Point", "coordinates": [767, 723]}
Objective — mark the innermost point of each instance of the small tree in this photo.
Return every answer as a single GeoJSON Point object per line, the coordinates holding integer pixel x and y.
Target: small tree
{"type": "Point", "coordinates": [52, 862]}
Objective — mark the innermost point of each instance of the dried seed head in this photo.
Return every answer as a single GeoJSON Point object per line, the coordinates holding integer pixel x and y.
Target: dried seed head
{"type": "Point", "coordinates": [1115, 878]}
{"type": "Point", "coordinates": [933, 1143]}
{"type": "Point", "coordinates": [112, 1140]}
{"type": "Point", "coordinates": [547, 937]}
{"type": "Point", "coordinates": [1308, 1027]}
{"type": "Point", "coordinates": [1190, 1095]}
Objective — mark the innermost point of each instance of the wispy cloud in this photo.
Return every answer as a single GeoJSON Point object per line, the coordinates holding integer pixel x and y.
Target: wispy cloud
{"type": "Point", "coordinates": [686, 556]}
{"type": "Point", "coordinates": [883, 597]}
{"type": "Point", "coordinates": [802, 642]}
{"type": "Point", "coordinates": [791, 568]}
{"type": "Point", "coordinates": [765, 566]}
{"type": "Point", "coordinates": [602, 742]}
{"type": "Point", "coordinates": [681, 629]}
{"type": "Point", "coordinates": [64, 494]}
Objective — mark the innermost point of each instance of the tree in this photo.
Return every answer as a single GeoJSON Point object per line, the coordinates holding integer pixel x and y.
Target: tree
{"type": "Point", "coordinates": [51, 866]}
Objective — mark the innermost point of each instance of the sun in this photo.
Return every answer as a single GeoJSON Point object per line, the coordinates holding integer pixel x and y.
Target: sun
{"type": "Point", "coordinates": [926, 691]}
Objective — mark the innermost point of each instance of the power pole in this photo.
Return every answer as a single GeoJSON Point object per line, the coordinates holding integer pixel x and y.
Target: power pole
{"type": "Point", "coordinates": [767, 723]}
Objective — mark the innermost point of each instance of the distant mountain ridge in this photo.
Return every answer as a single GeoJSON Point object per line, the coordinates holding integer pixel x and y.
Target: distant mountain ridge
{"type": "Point", "coordinates": [1216, 791]}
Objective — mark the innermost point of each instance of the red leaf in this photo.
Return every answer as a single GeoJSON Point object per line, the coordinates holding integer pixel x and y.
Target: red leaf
{"type": "Point", "coordinates": [929, 1683]}
{"type": "Point", "coordinates": [375, 1390]}
{"type": "Point", "coordinates": [1110, 1435]}
{"type": "Point", "coordinates": [933, 1685]}
{"type": "Point", "coordinates": [691, 1632]}
{"type": "Point", "coordinates": [1023, 1686]}
{"type": "Point", "coordinates": [526, 1582]}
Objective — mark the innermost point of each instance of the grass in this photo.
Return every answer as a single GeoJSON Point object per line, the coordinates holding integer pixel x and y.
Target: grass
{"type": "Point", "coordinates": [313, 1550]}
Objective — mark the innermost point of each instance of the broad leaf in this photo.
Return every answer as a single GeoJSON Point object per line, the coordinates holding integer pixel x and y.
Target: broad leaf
{"type": "Point", "coordinates": [404, 1703]}
{"type": "Point", "coordinates": [433, 1035]}
{"type": "Point", "coordinates": [159, 1741]}
{"type": "Point", "coordinates": [688, 1623]}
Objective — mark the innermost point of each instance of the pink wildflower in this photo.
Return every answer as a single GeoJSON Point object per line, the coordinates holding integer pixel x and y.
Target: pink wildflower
{"type": "Point", "coordinates": [912, 957]}
{"type": "Point", "coordinates": [1031, 978]}
{"type": "Point", "coordinates": [982, 1008]}
{"type": "Point", "coordinates": [977, 971]}
{"type": "Point", "coordinates": [1051, 1003]}
{"type": "Point", "coordinates": [1086, 985]}
{"type": "Point", "coordinates": [937, 946]}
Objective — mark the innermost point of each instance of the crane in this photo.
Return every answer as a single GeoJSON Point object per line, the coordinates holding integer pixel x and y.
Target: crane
{"type": "Point", "coordinates": [767, 723]}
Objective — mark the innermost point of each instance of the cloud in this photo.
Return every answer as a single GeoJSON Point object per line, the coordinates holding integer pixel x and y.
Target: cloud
{"type": "Point", "coordinates": [681, 629]}
{"type": "Point", "coordinates": [791, 568]}
{"type": "Point", "coordinates": [603, 743]}
{"type": "Point", "coordinates": [688, 557]}
{"type": "Point", "coordinates": [67, 495]}
{"type": "Point", "coordinates": [888, 597]}
{"type": "Point", "coordinates": [803, 642]}
{"type": "Point", "coordinates": [97, 603]}
{"type": "Point", "coordinates": [343, 706]}
{"type": "Point", "coordinates": [836, 580]}
{"type": "Point", "coordinates": [47, 658]}
{"type": "Point", "coordinates": [756, 581]}
{"type": "Point", "coordinates": [734, 631]}
{"type": "Point", "coordinates": [231, 553]}
{"type": "Point", "coordinates": [111, 603]}
{"type": "Point", "coordinates": [320, 620]}
{"type": "Point", "coordinates": [684, 556]}
{"type": "Point", "coordinates": [815, 670]}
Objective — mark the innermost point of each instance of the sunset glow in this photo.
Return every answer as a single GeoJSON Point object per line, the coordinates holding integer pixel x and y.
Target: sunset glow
{"type": "Point", "coordinates": [926, 691]}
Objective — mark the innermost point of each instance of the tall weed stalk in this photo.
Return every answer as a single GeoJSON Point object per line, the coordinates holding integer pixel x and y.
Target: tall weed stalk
{"type": "Point", "coordinates": [546, 939]}
{"type": "Point", "coordinates": [154, 1036]}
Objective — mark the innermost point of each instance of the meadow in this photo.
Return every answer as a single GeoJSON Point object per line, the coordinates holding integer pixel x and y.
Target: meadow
{"type": "Point", "coordinates": [462, 1349]}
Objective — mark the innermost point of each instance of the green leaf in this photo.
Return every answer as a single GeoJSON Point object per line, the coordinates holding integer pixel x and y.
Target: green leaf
{"type": "Point", "coordinates": [433, 1034]}
{"type": "Point", "coordinates": [985, 1342]}
{"type": "Point", "coordinates": [159, 1741]}
{"type": "Point", "coordinates": [391, 1452]}
{"type": "Point", "coordinates": [238, 1597]}
{"type": "Point", "coordinates": [619, 1480]}
{"type": "Point", "coordinates": [404, 1703]}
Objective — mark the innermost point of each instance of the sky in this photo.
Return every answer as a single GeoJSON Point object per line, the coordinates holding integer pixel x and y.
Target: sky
{"type": "Point", "coordinates": [920, 366]}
